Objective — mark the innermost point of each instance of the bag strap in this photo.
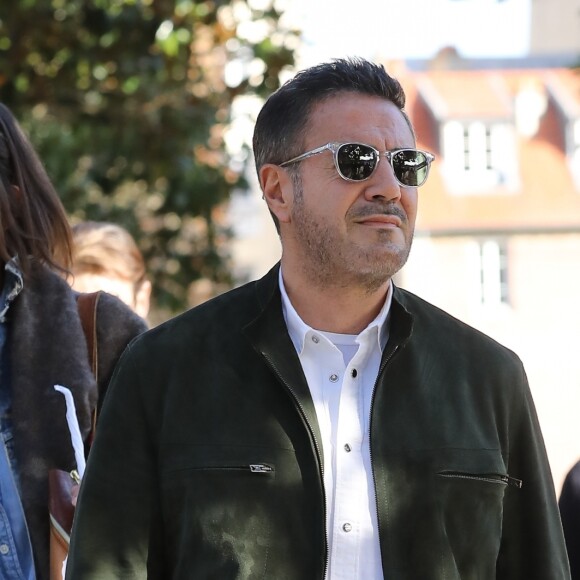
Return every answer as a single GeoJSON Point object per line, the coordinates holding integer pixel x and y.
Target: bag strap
{"type": "Point", "coordinates": [87, 308]}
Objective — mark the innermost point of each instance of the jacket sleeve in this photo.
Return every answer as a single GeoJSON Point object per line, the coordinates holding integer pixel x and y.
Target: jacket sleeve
{"type": "Point", "coordinates": [117, 516]}
{"type": "Point", "coordinates": [532, 545]}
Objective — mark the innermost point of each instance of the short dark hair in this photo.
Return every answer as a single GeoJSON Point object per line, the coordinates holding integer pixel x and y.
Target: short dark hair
{"type": "Point", "coordinates": [33, 221]}
{"type": "Point", "coordinates": [281, 125]}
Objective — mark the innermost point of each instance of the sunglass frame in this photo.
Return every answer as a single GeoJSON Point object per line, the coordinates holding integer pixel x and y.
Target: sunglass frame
{"type": "Point", "coordinates": [335, 148]}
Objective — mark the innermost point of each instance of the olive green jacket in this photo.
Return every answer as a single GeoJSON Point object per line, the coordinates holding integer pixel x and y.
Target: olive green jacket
{"type": "Point", "coordinates": [207, 462]}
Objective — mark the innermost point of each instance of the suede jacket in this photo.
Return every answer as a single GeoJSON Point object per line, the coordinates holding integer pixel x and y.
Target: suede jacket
{"type": "Point", "coordinates": [46, 347]}
{"type": "Point", "coordinates": [207, 462]}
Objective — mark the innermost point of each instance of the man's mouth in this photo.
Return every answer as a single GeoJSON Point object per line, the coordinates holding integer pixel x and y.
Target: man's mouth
{"type": "Point", "coordinates": [380, 216]}
{"type": "Point", "coordinates": [380, 221]}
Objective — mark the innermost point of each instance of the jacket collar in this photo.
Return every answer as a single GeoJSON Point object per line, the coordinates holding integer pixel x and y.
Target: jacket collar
{"type": "Point", "coordinates": [400, 324]}
{"type": "Point", "coordinates": [13, 284]}
{"type": "Point", "coordinates": [269, 336]}
{"type": "Point", "coordinates": [270, 303]}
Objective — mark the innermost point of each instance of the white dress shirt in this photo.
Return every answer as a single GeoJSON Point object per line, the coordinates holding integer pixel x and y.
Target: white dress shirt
{"type": "Point", "coordinates": [341, 371]}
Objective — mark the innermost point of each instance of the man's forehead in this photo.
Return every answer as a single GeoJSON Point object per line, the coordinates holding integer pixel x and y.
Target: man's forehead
{"type": "Point", "coordinates": [348, 112]}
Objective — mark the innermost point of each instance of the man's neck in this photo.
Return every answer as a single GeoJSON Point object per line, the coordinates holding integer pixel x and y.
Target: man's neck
{"type": "Point", "coordinates": [334, 308]}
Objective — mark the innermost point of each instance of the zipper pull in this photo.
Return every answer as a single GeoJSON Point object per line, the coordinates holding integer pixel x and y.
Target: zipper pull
{"type": "Point", "coordinates": [261, 468]}
{"type": "Point", "coordinates": [74, 475]}
{"type": "Point", "coordinates": [513, 481]}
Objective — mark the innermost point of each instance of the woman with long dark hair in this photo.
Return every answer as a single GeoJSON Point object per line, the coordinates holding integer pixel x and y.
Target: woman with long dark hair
{"type": "Point", "coordinates": [42, 346]}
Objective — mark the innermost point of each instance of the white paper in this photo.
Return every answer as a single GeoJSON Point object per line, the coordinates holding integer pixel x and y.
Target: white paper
{"type": "Point", "coordinates": [73, 426]}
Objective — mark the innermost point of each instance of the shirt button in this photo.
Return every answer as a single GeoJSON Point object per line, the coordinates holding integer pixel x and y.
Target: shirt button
{"type": "Point", "coordinates": [4, 549]}
{"type": "Point", "coordinates": [315, 340]}
{"type": "Point", "coordinates": [347, 448]}
{"type": "Point", "coordinates": [354, 373]}
{"type": "Point", "coordinates": [346, 527]}
{"type": "Point", "coordinates": [333, 378]}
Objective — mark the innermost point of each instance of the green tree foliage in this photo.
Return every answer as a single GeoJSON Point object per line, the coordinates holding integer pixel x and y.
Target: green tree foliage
{"type": "Point", "coordinates": [126, 102]}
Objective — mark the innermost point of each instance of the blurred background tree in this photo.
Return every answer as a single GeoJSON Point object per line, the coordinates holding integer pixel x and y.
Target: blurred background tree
{"type": "Point", "coordinates": [128, 106]}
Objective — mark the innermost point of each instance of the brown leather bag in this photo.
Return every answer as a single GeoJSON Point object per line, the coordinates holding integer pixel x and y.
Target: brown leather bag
{"type": "Point", "coordinates": [63, 487]}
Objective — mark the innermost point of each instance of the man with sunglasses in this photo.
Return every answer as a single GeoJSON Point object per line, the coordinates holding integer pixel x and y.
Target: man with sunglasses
{"type": "Point", "coordinates": [321, 423]}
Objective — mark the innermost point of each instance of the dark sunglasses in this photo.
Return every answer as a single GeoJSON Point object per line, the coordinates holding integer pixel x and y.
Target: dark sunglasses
{"type": "Point", "coordinates": [357, 162]}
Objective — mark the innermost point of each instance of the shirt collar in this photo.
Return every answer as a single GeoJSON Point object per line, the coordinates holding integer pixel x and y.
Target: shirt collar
{"type": "Point", "coordinates": [298, 329]}
{"type": "Point", "coordinates": [13, 284]}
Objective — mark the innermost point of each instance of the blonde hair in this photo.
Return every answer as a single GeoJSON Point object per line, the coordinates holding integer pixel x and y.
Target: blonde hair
{"type": "Point", "coordinates": [107, 249]}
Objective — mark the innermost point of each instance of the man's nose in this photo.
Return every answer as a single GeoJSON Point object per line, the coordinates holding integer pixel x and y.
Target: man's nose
{"type": "Point", "coordinates": [383, 184]}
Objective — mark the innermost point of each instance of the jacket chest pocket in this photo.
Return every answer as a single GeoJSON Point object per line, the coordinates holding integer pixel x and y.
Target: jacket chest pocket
{"type": "Point", "coordinates": [220, 502]}
{"type": "Point", "coordinates": [497, 478]}
{"type": "Point", "coordinates": [241, 479]}
{"type": "Point", "coordinates": [471, 482]}
{"type": "Point", "coordinates": [261, 469]}
{"type": "Point", "coordinates": [444, 510]}
{"type": "Point", "coordinates": [469, 491]}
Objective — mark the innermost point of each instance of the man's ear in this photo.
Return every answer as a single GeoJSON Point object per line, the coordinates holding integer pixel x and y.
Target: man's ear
{"type": "Point", "coordinates": [277, 190]}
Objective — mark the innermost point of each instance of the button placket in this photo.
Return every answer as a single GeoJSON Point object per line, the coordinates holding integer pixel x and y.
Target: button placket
{"type": "Point", "coordinates": [348, 473]}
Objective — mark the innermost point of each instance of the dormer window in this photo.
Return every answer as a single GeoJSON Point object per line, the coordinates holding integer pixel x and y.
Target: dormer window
{"type": "Point", "coordinates": [479, 157]}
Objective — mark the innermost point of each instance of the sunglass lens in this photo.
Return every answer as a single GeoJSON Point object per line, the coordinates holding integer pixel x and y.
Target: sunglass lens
{"type": "Point", "coordinates": [411, 167]}
{"type": "Point", "coordinates": [355, 161]}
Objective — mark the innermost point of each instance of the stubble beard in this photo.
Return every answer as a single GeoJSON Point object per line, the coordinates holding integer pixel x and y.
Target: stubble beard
{"type": "Point", "coordinates": [327, 264]}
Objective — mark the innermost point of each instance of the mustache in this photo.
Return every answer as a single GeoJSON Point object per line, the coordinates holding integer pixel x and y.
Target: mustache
{"type": "Point", "coordinates": [378, 208]}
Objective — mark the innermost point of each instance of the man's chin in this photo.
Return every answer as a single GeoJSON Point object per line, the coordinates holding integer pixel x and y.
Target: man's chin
{"type": "Point", "coordinates": [377, 276]}
{"type": "Point", "coordinates": [387, 264]}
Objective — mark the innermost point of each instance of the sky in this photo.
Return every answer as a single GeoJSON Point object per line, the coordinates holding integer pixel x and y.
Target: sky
{"type": "Point", "coordinates": [396, 29]}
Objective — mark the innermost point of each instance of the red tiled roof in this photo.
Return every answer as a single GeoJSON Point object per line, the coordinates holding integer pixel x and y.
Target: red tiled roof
{"type": "Point", "coordinates": [467, 94]}
{"type": "Point", "coordinates": [547, 197]}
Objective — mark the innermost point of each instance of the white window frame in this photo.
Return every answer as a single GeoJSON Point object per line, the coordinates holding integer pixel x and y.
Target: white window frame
{"type": "Point", "coordinates": [493, 272]}
{"type": "Point", "coordinates": [479, 157]}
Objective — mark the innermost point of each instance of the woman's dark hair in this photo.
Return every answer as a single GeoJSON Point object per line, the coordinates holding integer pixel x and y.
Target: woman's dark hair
{"type": "Point", "coordinates": [281, 125]}
{"type": "Point", "coordinates": [33, 221]}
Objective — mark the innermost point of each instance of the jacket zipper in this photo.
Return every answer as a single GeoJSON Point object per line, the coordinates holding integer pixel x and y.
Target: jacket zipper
{"type": "Point", "coordinates": [489, 477]}
{"type": "Point", "coordinates": [381, 369]}
{"type": "Point", "coordinates": [261, 468]}
{"type": "Point", "coordinates": [316, 445]}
